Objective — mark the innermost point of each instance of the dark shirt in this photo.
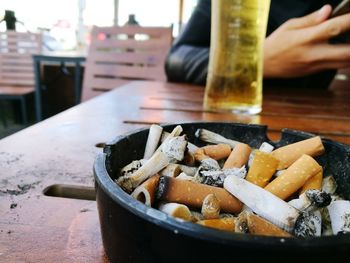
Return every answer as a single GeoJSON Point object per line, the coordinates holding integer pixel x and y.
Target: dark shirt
{"type": "Point", "coordinates": [188, 58]}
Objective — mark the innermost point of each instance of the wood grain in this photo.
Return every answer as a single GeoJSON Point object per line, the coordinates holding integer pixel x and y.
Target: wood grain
{"type": "Point", "coordinates": [61, 150]}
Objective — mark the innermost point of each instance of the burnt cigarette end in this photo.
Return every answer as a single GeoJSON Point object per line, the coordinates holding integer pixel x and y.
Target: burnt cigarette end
{"type": "Point", "coordinates": [306, 225]}
{"type": "Point", "coordinates": [343, 232]}
{"type": "Point", "coordinates": [242, 223]}
{"type": "Point", "coordinates": [243, 227]}
{"type": "Point", "coordinates": [163, 186]}
{"type": "Point", "coordinates": [318, 198]}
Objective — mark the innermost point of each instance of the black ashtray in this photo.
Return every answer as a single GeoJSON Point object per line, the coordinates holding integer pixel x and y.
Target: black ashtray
{"type": "Point", "coordinates": [134, 232]}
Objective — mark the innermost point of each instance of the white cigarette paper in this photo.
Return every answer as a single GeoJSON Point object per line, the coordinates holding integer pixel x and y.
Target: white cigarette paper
{"type": "Point", "coordinates": [262, 202]}
{"type": "Point", "coordinates": [339, 212]}
{"type": "Point", "coordinates": [155, 132]}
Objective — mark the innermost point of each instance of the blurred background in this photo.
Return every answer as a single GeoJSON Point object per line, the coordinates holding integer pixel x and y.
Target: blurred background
{"type": "Point", "coordinates": [66, 24]}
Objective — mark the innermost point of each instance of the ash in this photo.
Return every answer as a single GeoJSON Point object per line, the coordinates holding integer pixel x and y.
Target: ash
{"type": "Point", "coordinates": [346, 226]}
{"type": "Point", "coordinates": [319, 198]}
{"type": "Point", "coordinates": [305, 225]}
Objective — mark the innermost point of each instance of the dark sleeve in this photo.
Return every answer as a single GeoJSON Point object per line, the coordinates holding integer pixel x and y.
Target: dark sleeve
{"type": "Point", "coordinates": [281, 11]}
{"type": "Point", "coordinates": [188, 58]}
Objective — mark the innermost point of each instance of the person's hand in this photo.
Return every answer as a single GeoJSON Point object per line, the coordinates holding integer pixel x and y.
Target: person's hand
{"type": "Point", "coordinates": [301, 46]}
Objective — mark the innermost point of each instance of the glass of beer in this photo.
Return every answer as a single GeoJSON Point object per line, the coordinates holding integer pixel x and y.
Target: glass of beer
{"type": "Point", "coordinates": [235, 71]}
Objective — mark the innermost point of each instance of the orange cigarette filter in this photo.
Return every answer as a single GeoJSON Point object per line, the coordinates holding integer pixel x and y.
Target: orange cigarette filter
{"type": "Point", "coordinates": [315, 182]}
{"type": "Point", "coordinates": [227, 223]}
{"type": "Point", "coordinates": [238, 157]}
{"type": "Point", "coordinates": [290, 153]}
{"type": "Point", "coordinates": [294, 177]}
{"type": "Point", "coordinates": [216, 152]}
{"type": "Point", "coordinates": [263, 167]}
{"type": "Point", "coordinates": [189, 159]}
{"type": "Point", "coordinates": [210, 207]}
{"type": "Point", "coordinates": [259, 226]}
{"type": "Point", "coordinates": [193, 194]}
{"type": "Point", "coordinates": [145, 192]}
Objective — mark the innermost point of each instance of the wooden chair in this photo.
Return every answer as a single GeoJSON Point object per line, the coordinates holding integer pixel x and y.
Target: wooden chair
{"type": "Point", "coordinates": [120, 54]}
{"type": "Point", "coordinates": [16, 66]}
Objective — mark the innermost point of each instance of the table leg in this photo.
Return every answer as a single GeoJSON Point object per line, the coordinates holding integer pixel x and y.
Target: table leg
{"type": "Point", "coordinates": [77, 82]}
{"type": "Point", "coordinates": [2, 114]}
{"type": "Point", "coordinates": [24, 110]}
{"type": "Point", "coordinates": [38, 109]}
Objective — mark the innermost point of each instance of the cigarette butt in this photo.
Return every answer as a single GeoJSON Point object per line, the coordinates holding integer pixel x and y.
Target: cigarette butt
{"type": "Point", "coordinates": [132, 167]}
{"type": "Point", "coordinates": [146, 192]}
{"type": "Point", "coordinates": [216, 152]}
{"type": "Point", "coordinates": [176, 210]}
{"type": "Point", "coordinates": [290, 153]}
{"type": "Point", "coordinates": [294, 177]}
{"type": "Point", "coordinates": [315, 182]}
{"type": "Point", "coordinates": [155, 132]}
{"type": "Point", "coordinates": [189, 159]}
{"type": "Point", "coordinates": [184, 176]}
{"type": "Point", "coordinates": [193, 194]}
{"type": "Point", "coordinates": [329, 185]}
{"type": "Point", "coordinates": [196, 216]}
{"type": "Point", "coordinates": [172, 170]}
{"type": "Point", "coordinates": [339, 211]}
{"type": "Point", "coordinates": [238, 157]}
{"type": "Point", "coordinates": [241, 223]}
{"type": "Point", "coordinates": [211, 207]}
{"type": "Point", "coordinates": [263, 167]}
{"type": "Point", "coordinates": [189, 170]}
{"type": "Point", "coordinates": [266, 147]}
{"type": "Point", "coordinates": [227, 223]}
{"type": "Point", "coordinates": [259, 226]}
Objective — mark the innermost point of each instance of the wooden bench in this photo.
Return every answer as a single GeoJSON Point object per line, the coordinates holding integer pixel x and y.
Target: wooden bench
{"type": "Point", "coordinates": [117, 55]}
{"type": "Point", "coordinates": [16, 66]}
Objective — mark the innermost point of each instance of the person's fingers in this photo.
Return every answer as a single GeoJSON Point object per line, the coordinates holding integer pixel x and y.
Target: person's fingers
{"type": "Point", "coordinates": [327, 56]}
{"type": "Point", "coordinates": [312, 19]}
{"type": "Point", "coordinates": [329, 65]}
{"type": "Point", "coordinates": [334, 53]}
{"type": "Point", "coordinates": [331, 28]}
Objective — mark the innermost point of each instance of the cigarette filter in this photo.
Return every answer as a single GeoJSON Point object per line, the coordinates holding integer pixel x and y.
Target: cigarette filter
{"type": "Point", "coordinates": [172, 170]}
{"type": "Point", "coordinates": [193, 194]}
{"type": "Point", "coordinates": [155, 132]}
{"type": "Point", "coordinates": [176, 210]}
{"type": "Point", "coordinates": [294, 177]}
{"type": "Point", "coordinates": [290, 153]}
{"type": "Point", "coordinates": [259, 226]}
{"type": "Point", "coordinates": [238, 157]}
{"type": "Point", "coordinates": [210, 207]}
{"type": "Point", "coordinates": [216, 152]}
{"type": "Point", "coordinates": [227, 223]}
{"type": "Point", "coordinates": [189, 159]}
{"type": "Point", "coordinates": [339, 213]}
{"type": "Point", "coordinates": [315, 182]}
{"type": "Point", "coordinates": [262, 202]}
{"type": "Point", "coordinates": [263, 167]}
{"type": "Point", "coordinates": [145, 192]}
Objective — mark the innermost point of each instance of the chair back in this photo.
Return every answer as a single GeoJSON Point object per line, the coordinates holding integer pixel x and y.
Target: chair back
{"type": "Point", "coordinates": [16, 63]}
{"type": "Point", "coordinates": [117, 55]}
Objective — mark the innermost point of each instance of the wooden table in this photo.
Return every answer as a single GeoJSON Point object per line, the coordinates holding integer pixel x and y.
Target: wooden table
{"type": "Point", "coordinates": [35, 227]}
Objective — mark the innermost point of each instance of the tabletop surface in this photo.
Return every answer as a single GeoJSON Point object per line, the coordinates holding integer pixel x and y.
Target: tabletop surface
{"type": "Point", "coordinates": [36, 227]}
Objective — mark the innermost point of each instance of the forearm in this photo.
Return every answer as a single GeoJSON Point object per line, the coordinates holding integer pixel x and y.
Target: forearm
{"type": "Point", "coordinates": [188, 64]}
{"type": "Point", "coordinates": [188, 59]}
